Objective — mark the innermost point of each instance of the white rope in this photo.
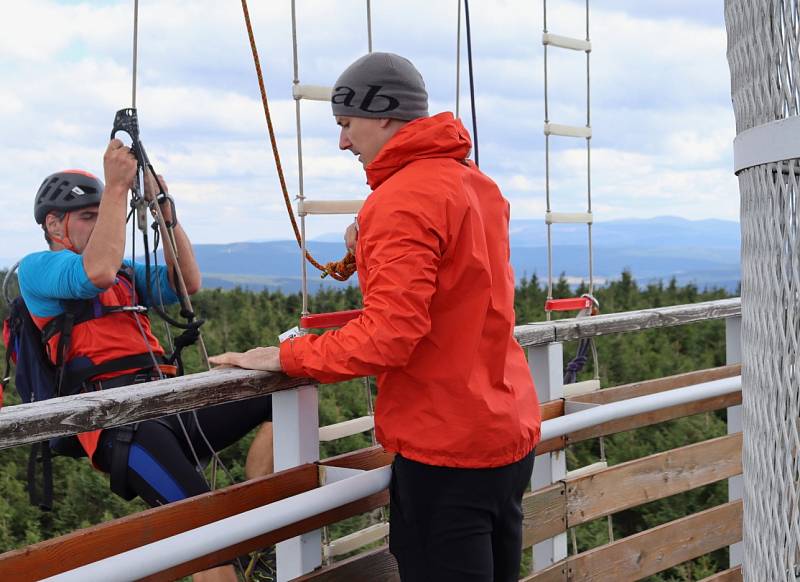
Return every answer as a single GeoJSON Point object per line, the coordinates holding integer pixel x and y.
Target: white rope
{"type": "Point", "coordinates": [135, 50]}
{"type": "Point", "coordinates": [458, 59]}
{"type": "Point", "coordinates": [300, 186]}
{"type": "Point", "coordinates": [369, 26]}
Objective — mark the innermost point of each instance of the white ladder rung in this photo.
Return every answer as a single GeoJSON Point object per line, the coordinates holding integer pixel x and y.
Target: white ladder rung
{"type": "Point", "coordinates": [305, 207]}
{"type": "Point", "coordinates": [567, 130]}
{"type": "Point", "coordinates": [312, 92]}
{"type": "Point", "coordinates": [355, 540]}
{"type": "Point", "coordinates": [587, 470]}
{"type": "Point", "coordinates": [575, 44]}
{"type": "Point", "coordinates": [579, 388]}
{"type": "Point", "coordinates": [346, 428]}
{"type": "Point", "coordinates": [568, 218]}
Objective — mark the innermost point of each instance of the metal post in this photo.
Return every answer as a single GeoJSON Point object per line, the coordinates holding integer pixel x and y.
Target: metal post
{"type": "Point", "coordinates": [546, 363]}
{"type": "Point", "coordinates": [733, 355]}
{"type": "Point", "coordinates": [295, 415]}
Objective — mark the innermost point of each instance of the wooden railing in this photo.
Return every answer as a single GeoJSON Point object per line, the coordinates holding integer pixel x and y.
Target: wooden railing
{"type": "Point", "coordinates": [549, 511]}
{"type": "Point", "coordinates": [27, 423]}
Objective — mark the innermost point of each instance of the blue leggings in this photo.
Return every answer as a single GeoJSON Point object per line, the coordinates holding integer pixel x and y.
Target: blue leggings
{"type": "Point", "coordinates": [161, 466]}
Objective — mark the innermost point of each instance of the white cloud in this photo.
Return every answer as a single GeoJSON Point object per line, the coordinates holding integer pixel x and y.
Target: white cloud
{"type": "Point", "coordinates": [661, 112]}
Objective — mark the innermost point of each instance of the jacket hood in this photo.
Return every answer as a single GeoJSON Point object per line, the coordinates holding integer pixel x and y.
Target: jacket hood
{"type": "Point", "coordinates": [440, 136]}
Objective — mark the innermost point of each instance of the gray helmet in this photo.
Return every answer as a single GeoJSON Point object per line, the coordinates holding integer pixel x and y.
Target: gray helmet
{"type": "Point", "coordinates": [67, 190]}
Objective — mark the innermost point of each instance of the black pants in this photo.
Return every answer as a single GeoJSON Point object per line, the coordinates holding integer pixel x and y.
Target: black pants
{"type": "Point", "coordinates": [161, 466]}
{"type": "Point", "coordinates": [457, 524]}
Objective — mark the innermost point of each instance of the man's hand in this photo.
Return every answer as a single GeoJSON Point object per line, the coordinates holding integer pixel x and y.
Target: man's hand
{"type": "Point", "coordinates": [351, 237]}
{"type": "Point", "coordinates": [119, 165]}
{"type": "Point", "coordinates": [151, 189]}
{"type": "Point", "coordinates": [267, 359]}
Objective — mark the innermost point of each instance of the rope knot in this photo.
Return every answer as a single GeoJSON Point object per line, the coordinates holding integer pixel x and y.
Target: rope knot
{"type": "Point", "coordinates": [340, 270]}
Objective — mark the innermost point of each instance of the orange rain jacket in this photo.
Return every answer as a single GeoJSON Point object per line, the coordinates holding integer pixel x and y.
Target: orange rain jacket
{"type": "Point", "coordinates": [454, 388]}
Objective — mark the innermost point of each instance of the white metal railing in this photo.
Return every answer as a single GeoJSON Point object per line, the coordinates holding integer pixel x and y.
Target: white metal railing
{"type": "Point", "coordinates": [178, 549]}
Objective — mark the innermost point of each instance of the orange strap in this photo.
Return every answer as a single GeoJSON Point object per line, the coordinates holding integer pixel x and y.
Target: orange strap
{"type": "Point", "coordinates": [65, 240]}
{"type": "Point", "coordinates": [339, 270]}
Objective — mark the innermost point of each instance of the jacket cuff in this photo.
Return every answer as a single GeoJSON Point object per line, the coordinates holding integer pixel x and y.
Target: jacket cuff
{"type": "Point", "coordinates": [289, 363]}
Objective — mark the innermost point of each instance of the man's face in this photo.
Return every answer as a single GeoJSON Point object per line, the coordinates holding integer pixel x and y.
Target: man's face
{"type": "Point", "coordinates": [77, 225]}
{"type": "Point", "coordinates": [363, 136]}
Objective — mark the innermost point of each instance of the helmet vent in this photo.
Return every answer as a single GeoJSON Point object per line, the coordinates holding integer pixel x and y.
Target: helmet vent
{"type": "Point", "coordinates": [57, 191]}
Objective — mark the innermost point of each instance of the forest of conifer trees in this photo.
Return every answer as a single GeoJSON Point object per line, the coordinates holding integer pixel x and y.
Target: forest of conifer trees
{"type": "Point", "coordinates": [240, 319]}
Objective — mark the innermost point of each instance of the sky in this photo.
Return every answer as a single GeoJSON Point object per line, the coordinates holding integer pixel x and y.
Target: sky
{"type": "Point", "coordinates": [663, 125]}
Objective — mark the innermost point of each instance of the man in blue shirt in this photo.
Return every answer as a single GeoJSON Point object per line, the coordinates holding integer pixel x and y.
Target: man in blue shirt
{"type": "Point", "coordinates": [84, 225]}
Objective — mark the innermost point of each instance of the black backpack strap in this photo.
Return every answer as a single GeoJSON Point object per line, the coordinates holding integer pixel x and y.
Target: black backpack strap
{"type": "Point", "coordinates": [64, 341]}
{"type": "Point", "coordinates": [45, 502]}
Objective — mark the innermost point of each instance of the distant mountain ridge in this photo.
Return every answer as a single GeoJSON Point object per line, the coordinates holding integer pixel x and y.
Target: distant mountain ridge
{"type": "Point", "coordinates": [704, 252]}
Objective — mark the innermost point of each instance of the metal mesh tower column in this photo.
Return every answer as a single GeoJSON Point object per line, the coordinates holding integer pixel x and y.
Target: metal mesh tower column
{"type": "Point", "coordinates": [763, 58]}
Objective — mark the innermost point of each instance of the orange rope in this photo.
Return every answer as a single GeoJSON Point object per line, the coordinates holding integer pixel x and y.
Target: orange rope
{"type": "Point", "coordinates": [339, 270]}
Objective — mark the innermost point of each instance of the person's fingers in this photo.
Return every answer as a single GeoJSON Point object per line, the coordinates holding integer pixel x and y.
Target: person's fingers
{"type": "Point", "coordinates": [162, 183]}
{"type": "Point", "coordinates": [226, 359]}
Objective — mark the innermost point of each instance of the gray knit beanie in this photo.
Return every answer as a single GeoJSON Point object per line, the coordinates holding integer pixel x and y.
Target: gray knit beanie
{"type": "Point", "coordinates": [380, 85]}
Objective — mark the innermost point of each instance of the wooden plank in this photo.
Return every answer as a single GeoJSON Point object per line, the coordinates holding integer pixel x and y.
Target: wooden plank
{"type": "Point", "coordinates": [375, 566]}
{"type": "Point", "coordinates": [544, 514]}
{"type": "Point", "coordinates": [655, 477]}
{"type": "Point", "coordinates": [576, 389]}
{"type": "Point", "coordinates": [551, 445]}
{"type": "Point", "coordinates": [29, 423]}
{"type": "Point", "coordinates": [649, 418]}
{"type": "Point", "coordinates": [101, 541]}
{"type": "Point", "coordinates": [552, 409]}
{"type": "Point", "coordinates": [653, 550]}
{"type": "Point", "coordinates": [369, 458]}
{"type": "Point", "coordinates": [536, 334]}
{"type": "Point", "coordinates": [732, 575]}
{"type": "Point", "coordinates": [556, 573]}
{"type": "Point", "coordinates": [352, 541]}
{"type": "Point", "coordinates": [310, 524]}
{"type": "Point", "coordinates": [647, 387]}
{"type": "Point", "coordinates": [328, 206]}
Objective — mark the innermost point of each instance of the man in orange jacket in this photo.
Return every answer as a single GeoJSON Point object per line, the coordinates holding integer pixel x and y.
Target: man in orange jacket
{"type": "Point", "coordinates": [456, 401]}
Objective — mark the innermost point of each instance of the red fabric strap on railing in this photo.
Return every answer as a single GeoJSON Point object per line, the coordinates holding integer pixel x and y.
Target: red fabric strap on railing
{"type": "Point", "coordinates": [570, 304]}
{"type": "Point", "coordinates": [325, 320]}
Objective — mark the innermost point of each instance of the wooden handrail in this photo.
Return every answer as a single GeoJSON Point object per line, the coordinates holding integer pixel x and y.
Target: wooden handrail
{"type": "Point", "coordinates": [537, 334]}
{"type": "Point", "coordinates": [29, 423]}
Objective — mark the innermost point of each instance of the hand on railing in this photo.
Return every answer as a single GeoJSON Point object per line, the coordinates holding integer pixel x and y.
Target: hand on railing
{"type": "Point", "coordinates": [267, 359]}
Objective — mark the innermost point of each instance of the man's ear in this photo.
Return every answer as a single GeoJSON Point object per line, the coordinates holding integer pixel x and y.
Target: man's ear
{"type": "Point", "coordinates": [384, 122]}
{"type": "Point", "coordinates": [53, 224]}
